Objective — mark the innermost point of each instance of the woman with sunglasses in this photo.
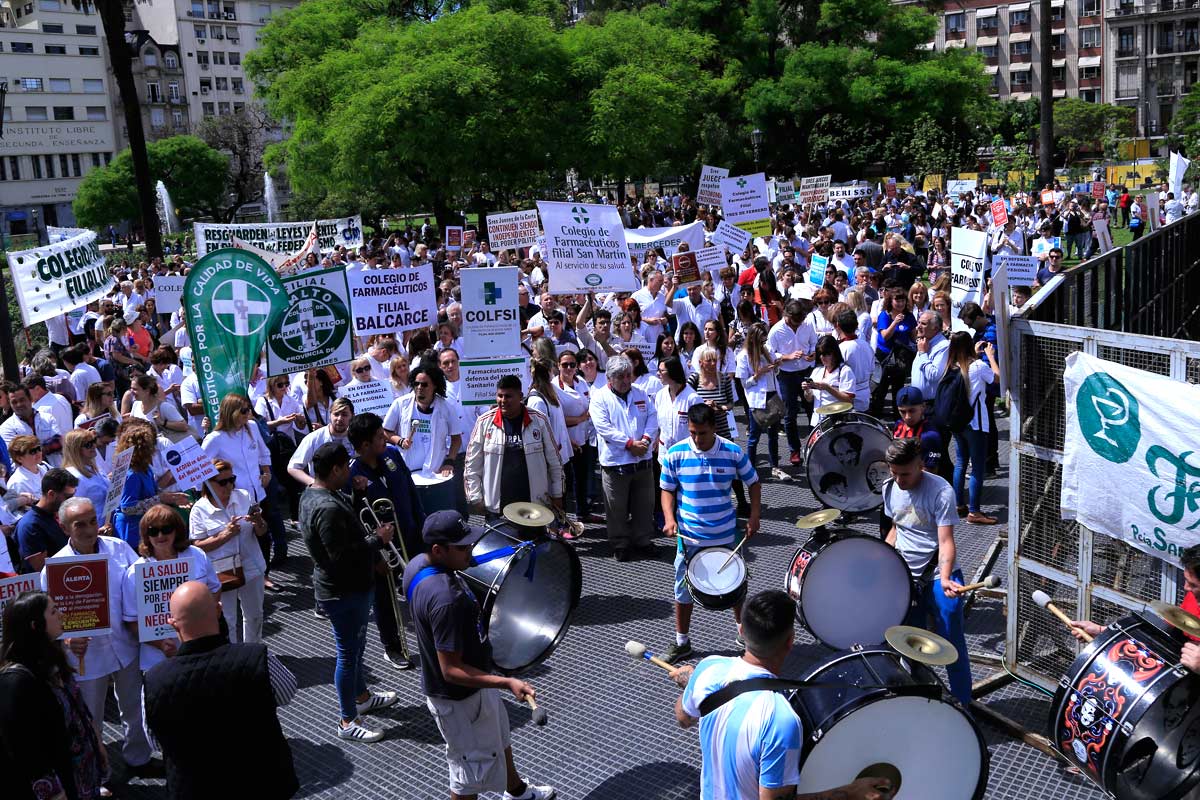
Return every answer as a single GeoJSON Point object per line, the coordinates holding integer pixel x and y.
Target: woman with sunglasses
{"type": "Point", "coordinates": [25, 482]}
{"type": "Point", "coordinates": [237, 441]}
{"type": "Point", "coordinates": [281, 411]}
{"type": "Point", "coordinates": [360, 372]}
{"type": "Point", "coordinates": [228, 528]}
{"type": "Point", "coordinates": [79, 458]}
{"type": "Point", "coordinates": [819, 318]}
{"type": "Point", "coordinates": [163, 537]}
{"type": "Point", "coordinates": [141, 489]}
{"type": "Point", "coordinates": [574, 394]}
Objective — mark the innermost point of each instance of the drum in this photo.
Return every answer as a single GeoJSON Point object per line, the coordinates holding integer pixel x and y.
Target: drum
{"type": "Point", "coordinates": [526, 595]}
{"type": "Point", "coordinates": [713, 589]}
{"type": "Point", "coordinates": [436, 492]}
{"type": "Point", "coordinates": [1126, 712]}
{"type": "Point", "coordinates": [843, 458]}
{"type": "Point", "coordinates": [849, 589]}
{"type": "Point", "coordinates": [911, 731]}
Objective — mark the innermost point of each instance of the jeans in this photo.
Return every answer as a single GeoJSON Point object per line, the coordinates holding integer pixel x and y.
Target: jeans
{"type": "Point", "coordinates": [972, 444]}
{"type": "Point", "coordinates": [793, 399]}
{"type": "Point", "coordinates": [577, 473]}
{"type": "Point", "coordinates": [348, 616]}
{"type": "Point", "coordinates": [944, 616]}
{"type": "Point", "coordinates": [772, 441]}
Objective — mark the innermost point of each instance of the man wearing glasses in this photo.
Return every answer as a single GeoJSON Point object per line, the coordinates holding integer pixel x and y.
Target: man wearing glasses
{"type": "Point", "coordinates": [29, 421]}
{"type": "Point", "coordinates": [1054, 265]}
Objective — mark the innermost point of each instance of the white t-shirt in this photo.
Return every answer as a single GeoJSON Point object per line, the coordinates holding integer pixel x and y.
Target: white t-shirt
{"type": "Point", "coordinates": [420, 434]}
{"type": "Point", "coordinates": [302, 458]}
{"type": "Point", "coordinates": [841, 379]}
{"type": "Point", "coordinates": [917, 515]}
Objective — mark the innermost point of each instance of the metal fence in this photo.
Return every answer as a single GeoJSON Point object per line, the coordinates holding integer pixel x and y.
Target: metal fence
{"type": "Point", "coordinates": [1136, 306]}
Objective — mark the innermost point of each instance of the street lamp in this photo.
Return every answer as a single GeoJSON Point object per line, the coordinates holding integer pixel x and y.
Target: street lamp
{"type": "Point", "coordinates": [756, 139]}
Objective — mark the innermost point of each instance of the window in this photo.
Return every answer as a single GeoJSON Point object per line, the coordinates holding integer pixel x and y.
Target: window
{"type": "Point", "coordinates": [56, 49]}
{"type": "Point", "coordinates": [158, 118]}
{"type": "Point", "coordinates": [153, 92]}
{"type": "Point", "coordinates": [956, 23]}
{"type": "Point", "coordinates": [22, 47]}
{"type": "Point", "coordinates": [1018, 18]}
{"type": "Point", "coordinates": [987, 26]}
{"type": "Point", "coordinates": [1090, 95]}
{"type": "Point", "coordinates": [1020, 78]}
{"type": "Point", "coordinates": [201, 56]}
{"type": "Point", "coordinates": [52, 27]}
{"type": "Point", "coordinates": [173, 91]}
{"type": "Point", "coordinates": [60, 84]}
{"type": "Point", "coordinates": [230, 10]}
{"type": "Point", "coordinates": [231, 33]}
{"type": "Point", "coordinates": [14, 168]}
{"type": "Point", "coordinates": [237, 107]}
{"type": "Point", "coordinates": [35, 113]}
{"type": "Point", "coordinates": [1058, 13]}
{"type": "Point", "coordinates": [49, 165]}
{"type": "Point", "coordinates": [37, 167]}
{"type": "Point", "coordinates": [93, 85]}
{"type": "Point", "coordinates": [235, 58]}
{"type": "Point", "coordinates": [1058, 74]}
{"type": "Point", "coordinates": [85, 30]}
{"type": "Point", "coordinates": [1089, 73]}
{"type": "Point", "coordinates": [150, 57]}
{"type": "Point", "coordinates": [201, 31]}
{"type": "Point", "coordinates": [1128, 84]}
{"type": "Point", "coordinates": [3, 170]}
{"type": "Point", "coordinates": [8, 113]}
{"type": "Point", "coordinates": [95, 160]}
{"type": "Point", "coordinates": [48, 5]}
{"type": "Point", "coordinates": [64, 165]}
{"type": "Point", "coordinates": [89, 51]}
{"type": "Point", "coordinates": [197, 9]}
{"type": "Point", "coordinates": [223, 109]}
{"type": "Point", "coordinates": [1019, 49]}
{"type": "Point", "coordinates": [989, 51]}
{"type": "Point", "coordinates": [75, 166]}
{"type": "Point", "coordinates": [177, 118]}
{"type": "Point", "coordinates": [207, 109]}
{"type": "Point", "coordinates": [97, 113]}
{"type": "Point", "coordinates": [64, 113]}
{"type": "Point", "coordinates": [170, 60]}
{"type": "Point", "coordinates": [1089, 37]}
{"type": "Point", "coordinates": [1058, 41]}
{"type": "Point", "coordinates": [222, 84]}
{"type": "Point", "coordinates": [237, 86]}
{"type": "Point", "coordinates": [218, 57]}
{"type": "Point", "coordinates": [1126, 40]}
{"type": "Point", "coordinates": [31, 84]}
{"type": "Point", "coordinates": [205, 85]}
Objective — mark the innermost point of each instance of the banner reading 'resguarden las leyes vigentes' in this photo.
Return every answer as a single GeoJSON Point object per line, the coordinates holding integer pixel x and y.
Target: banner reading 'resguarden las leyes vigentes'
{"type": "Point", "coordinates": [233, 298]}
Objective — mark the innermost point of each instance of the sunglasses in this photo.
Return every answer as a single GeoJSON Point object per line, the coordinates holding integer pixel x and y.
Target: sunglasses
{"type": "Point", "coordinates": [153, 531]}
{"type": "Point", "coordinates": [224, 481]}
{"type": "Point", "coordinates": [568, 365]}
{"type": "Point", "coordinates": [361, 369]}
{"type": "Point", "coordinates": [90, 443]}
{"type": "Point", "coordinates": [1056, 258]}
{"type": "Point", "coordinates": [33, 450]}
{"type": "Point", "coordinates": [245, 409]}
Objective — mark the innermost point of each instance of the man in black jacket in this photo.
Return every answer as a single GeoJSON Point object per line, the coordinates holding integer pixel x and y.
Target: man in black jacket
{"type": "Point", "coordinates": [216, 692]}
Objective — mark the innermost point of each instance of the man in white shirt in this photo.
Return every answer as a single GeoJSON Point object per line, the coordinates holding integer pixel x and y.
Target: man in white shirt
{"type": "Point", "coordinates": [858, 355]}
{"type": "Point", "coordinates": [58, 332]}
{"type": "Point", "coordinates": [380, 358]}
{"type": "Point", "coordinates": [694, 308]}
{"type": "Point", "coordinates": [793, 341]}
{"type": "Point", "coordinates": [48, 402]}
{"type": "Point", "coordinates": [652, 299]}
{"type": "Point", "coordinates": [28, 421]}
{"type": "Point", "coordinates": [83, 374]}
{"type": "Point", "coordinates": [340, 414]}
{"type": "Point", "coordinates": [1174, 209]}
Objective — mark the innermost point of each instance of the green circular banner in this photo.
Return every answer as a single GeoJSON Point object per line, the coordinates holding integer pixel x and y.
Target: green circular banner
{"type": "Point", "coordinates": [1108, 417]}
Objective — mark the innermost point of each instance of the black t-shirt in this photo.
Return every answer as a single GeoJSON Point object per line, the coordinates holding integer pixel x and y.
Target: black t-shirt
{"type": "Point", "coordinates": [446, 616]}
{"type": "Point", "coordinates": [514, 477]}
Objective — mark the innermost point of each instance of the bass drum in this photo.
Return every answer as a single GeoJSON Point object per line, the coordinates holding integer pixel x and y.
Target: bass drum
{"type": "Point", "coordinates": [1127, 712]}
{"type": "Point", "coordinates": [911, 731]}
{"type": "Point", "coordinates": [844, 461]}
{"type": "Point", "coordinates": [527, 592]}
{"type": "Point", "coordinates": [849, 589]}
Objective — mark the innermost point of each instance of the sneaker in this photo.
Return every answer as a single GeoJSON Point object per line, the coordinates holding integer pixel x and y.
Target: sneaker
{"type": "Point", "coordinates": [677, 653]}
{"type": "Point", "coordinates": [376, 701]}
{"type": "Point", "coordinates": [621, 555]}
{"type": "Point", "coordinates": [739, 642]}
{"type": "Point", "coordinates": [395, 656]}
{"type": "Point", "coordinates": [979, 518]}
{"type": "Point", "coordinates": [794, 459]}
{"type": "Point", "coordinates": [319, 612]}
{"type": "Point", "coordinates": [779, 474]}
{"type": "Point", "coordinates": [357, 732]}
{"type": "Point", "coordinates": [534, 793]}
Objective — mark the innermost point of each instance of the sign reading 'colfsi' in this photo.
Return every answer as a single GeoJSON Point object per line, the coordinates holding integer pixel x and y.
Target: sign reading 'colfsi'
{"type": "Point", "coordinates": [1140, 432]}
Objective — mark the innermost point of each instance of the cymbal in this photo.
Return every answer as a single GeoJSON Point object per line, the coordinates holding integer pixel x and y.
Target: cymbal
{"type": "Point", "coordinates": [919, 644]}
{"type": "Point", "coordinates": [528, 515]}
{"type": "Point", "coordinates": [834, 408]}
{"type": "Point", "coordinates": [1178, 618]}
{"type": "Point", "coordinates": [818, 518]}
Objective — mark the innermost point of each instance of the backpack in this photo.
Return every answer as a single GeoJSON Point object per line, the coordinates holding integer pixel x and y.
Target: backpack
{"type": "Point", "coordinates": [952, 401]}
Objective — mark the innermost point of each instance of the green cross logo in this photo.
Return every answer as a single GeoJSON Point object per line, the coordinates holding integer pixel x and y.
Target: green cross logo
{"type": "Point", "coordinates": [241, 308]}
{"type": "Point", "coordinates": [1108, 417]}
{"type": "Point", "coordinates": [316, 323]}
{"type": "Point", "coordinates": [741, 182]}
{"type": "Point", "coordinates": [491, 293]}
{"type": "Point", "coordinates": [580, 214]}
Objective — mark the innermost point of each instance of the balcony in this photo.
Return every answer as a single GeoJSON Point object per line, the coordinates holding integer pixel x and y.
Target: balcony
{"type": "Point", "coordinates": [1174, 5]}
{"type": "Point", "coordinates": [1124, 9]}
{"type": "Point", "coordinates": [1130, 52]}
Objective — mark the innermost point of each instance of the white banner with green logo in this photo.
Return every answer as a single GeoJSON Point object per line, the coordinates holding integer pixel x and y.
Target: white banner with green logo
{"type": "Point", "coordinates": [1131, 464]}
{"type": "Point", "coordinates": [233, 299]}
{"type": "Point", "coordinates": [315, 331]}
{"type": "Point", "coordinates": [586, 249]}
{"type": "Point", "coordinates": [491, 316]}
{"type": "Point", "coordinates": [52, 280]}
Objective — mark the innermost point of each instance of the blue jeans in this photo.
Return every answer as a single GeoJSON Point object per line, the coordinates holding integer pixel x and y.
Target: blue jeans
{"type": "Point", "coordinates": [793, 400]}
{"type": "Point", "coordinates": [944, 616]}
{"type": "Point", "coordinates": [772, 441]}
{"type": "Point", "coordinates": [348, 615]}
{"type": "Point", "coordinates": [972, 444]}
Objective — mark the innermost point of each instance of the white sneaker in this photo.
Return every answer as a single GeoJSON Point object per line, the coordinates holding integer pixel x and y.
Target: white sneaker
{"type": "Point", "coordinates": [358, 732]}
{"type": "Point", "coordinates": [376, 701]}
{"type": "Point", "coordinates": [779, 474]}
{"type": "Point", "coordinates": [534, 793]}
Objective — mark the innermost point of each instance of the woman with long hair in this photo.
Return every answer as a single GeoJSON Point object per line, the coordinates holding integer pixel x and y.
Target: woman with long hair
{"type": "Point", "coordinates": [918, 299]}
{"type": "Point", "coordinates": [237, 440]}
{"type": "Point", "coordinates": [715, 387]}
{"type": "Point", "coordinates": [672, 403]}
{"type": "Point", "coordinates": [665, 347]}
{"type": "Point", "coordinates": [543, 397]}
{"type": "Point", "coordinates": [398, 373]}
{"type": "Point", "coordinates": [942, 305]}
{"type": "Point", "coordinates": [97, 403]}
{"type": "Point", "coordinates": [148, 404]}
{"type": "Point", "coordinates": [648, 383]}
{"type": "Point", "coordinates": [972, 442]}
{"type": "Point", "coordinates": [832, 380]}
{"type": "Point", "coordinates": [689, 340]}
{"type": "Point", "coordinates": [141, 489]}
{"type": "Point", "coordinates": [895, 347]}
{"type": "Point", "coordinates": [574, 394]}
{"type": "Point", "coordinates": [716, 339]}
{"type": "Point", "coordinates": [756, 366]}
{"type": "Point", "coordinates": [767, 297]}
{"type": "Point", "coordinates": [79, 458]}
{"type": "Point", "coordinates": [319, 395]}
{"type": "Point", "coordinates": [48, 742]}
{"type": "Point", "coordinates": [938, 260]}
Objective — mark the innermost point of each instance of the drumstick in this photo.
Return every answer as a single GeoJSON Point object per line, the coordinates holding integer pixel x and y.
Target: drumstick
{"type": "Point", "coordinates": [689, 539]}
{"type": "Point", "coordinates": [731, 555]}
{"type": "Point", "coordinates": [638, 650]}
{"type": "Point", "coordinates": [990, 582]}
{"type": "Point", "coordinates": [1043, 600]}
{"type": "Point", "coordinates": [539, 714]}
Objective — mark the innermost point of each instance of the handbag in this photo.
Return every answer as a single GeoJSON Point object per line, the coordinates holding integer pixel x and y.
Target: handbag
{"type": "Point", "coordinates": [769, 416]}
{"type": "Point", "coordinates": [281, 445]}
{"type": "Point", "coordinates": [229, 572]}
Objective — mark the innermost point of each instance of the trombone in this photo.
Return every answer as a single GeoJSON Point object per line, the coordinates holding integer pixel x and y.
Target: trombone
{"type": "Point", "coordinates": [371, 517]}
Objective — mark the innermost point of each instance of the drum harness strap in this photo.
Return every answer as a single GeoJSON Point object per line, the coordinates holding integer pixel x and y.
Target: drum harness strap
{"type": "Point", "coordinates": [502, 552]}
{"type": "Point", "coordinates": [732, 690]}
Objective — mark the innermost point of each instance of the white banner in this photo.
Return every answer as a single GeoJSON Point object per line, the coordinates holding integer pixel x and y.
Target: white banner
{"type": "Point", "coordinates": [956, 187]}
{"type": "Point", "coordinates": [588, 250]}
{"type": "Point", "coordinates": [50, 281]}
{"type": "Point", "coordinates": [190, 465]}
{"type": "Point", "coordinates": [12, 588]}
{"type": "Point", "coordinates": [168, 293]}
{"type": "Point", "coordinates": [709, 192]}
{"type": "Point", "coordinates": [512, 231]}
{"type": "Point", "coordinates": [479, 378]}
{"type": "Point", "coordinates": [745, 204]}
{"type": "Point", "coordinates": [491, 317]}
{"type": "Point", "coordinates": [642, 239]}
{"type": "Point", "coordinates": [785, 192]}
{"type": "Point", "coordinates": [814, 189]}
{"type": "Point", "coordinates": [280, 237]}
{"type": "Point", "coordinates": [1179, 168]}
{"type": "Point", "coordinates": [155, 582]}
{"type": "Point", "coordinates": [373, 396]}
{"type": "Point", "coordinates": [967, 248]}
{"type": "Point", "coordinates": [392, 300]}
{"type": "Point", "coordinates": [850, 191]}
{"type": "Point", "coordinates": [1021, 270]}
{"type": "Point", "coordinates": [315, 331]}
{"type": "Point", "coordinates": [116, 484]}
{"type": "Point", "coordinates": [283, 262]}
{"type": "Point", "coordinates": [1131, 463]}
{"type": "Point", "coordinates": [733, 237]}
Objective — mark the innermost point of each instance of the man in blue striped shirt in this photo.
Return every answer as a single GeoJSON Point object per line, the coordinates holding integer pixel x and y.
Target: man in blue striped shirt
{"type": "Point", "coordinates": [697, 478]}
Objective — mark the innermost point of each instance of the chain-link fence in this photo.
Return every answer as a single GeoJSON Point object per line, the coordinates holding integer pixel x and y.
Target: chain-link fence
{"type": "Point", "coordinates": [1125, 306]}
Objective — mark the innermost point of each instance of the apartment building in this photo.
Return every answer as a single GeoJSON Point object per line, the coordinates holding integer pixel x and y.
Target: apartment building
{"type": "Point", "coordinates": [1155, 49]}
{"type": "Point", "coordinates": [58, 121]}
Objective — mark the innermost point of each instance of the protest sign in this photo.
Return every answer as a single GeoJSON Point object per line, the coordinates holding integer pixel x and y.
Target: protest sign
{"type": "Point", "coordinates": [168, 293]}
{"type": "Point", "coordinates": [1048, 197]}
{"type": "Point", "coordinates": [999, 213]}
{"type": "Point", "coordinates": [960, 186]}
{"type": "Point", "coordinates": [491, 317]}
{"type": "Point", "coordinates": [12, 588]}
{"type": "Point", "coordinates": [469, 236]}
{"type": "Point", "coordinates": [816, 270]}
{"type": "Point", "coordinates": [1020, 270]}
{"type": "Point", "coordinates": [652, 189]}
{"type": "Point", "coordinates": [967, 248]}
{"type": "Point", "coordinates": [771, 189]}
{"type": "Point", "coordinates": [373, 396]}
{"type": "Point", "coordinates": [1098, 190]}
{"type": "Point", "coordinates": [588, 252]}
{"type": "Point", "coordinates": [154, 582]}
{"type": "Point", "coordinates": [454, 238]}
{"type": "Point", "coordinates": [392, 300]}
{"type": "Point", "coordinates": [709, 192]}
{"type": "Point", "coordinates": [745, 204]}
{"type": "Point", "coordinates": [79, 586]}
{"type": "Point", "coordinates": [686, 268]}
{"type": "Point", "coordinates": [814, 189]}
{"type": "Point", "coordinates": [116, 485]}
{"type": "Point", "coordinates": [190, 465]}
{"type": "Point", "coordinates": [733, 237]}
{"type": "Point", "coordinates": [850, 191]}
{"type": "Point", "coordinates": [712, 260]}
{"type": "Point", "coordinates": [315, 330]}
{"type": "Point", "coordinates": [1102, 233]}
{"type": "Point", "coordinates": [280, 237]}
{"type": "Point", "coordinates": [50, 281]}
{"type": "Point", "coordinates": [479, 377]}
{"type": "Point", "coordinates": [641, 240]}
{"type": "Point", "coordinates": [785, 192]}
{"type": "Point", "coordinates": [283, 262]}
{"type": "Point", "coordinates": [512, 231]}
{"type": "Point", "coordinates": [890, 189]}
{"type": "Point", "coordinates": [1178, 168]}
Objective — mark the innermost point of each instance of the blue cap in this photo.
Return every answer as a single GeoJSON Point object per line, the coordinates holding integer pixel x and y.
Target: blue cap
{"type": "Point", "coordinates": [910, 396]}
{"type": "Point", "coordinates": [449, 527]}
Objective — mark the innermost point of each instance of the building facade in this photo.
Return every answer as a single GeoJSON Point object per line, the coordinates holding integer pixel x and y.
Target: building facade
{"type": "Point", "coordinates": [1155, 47]}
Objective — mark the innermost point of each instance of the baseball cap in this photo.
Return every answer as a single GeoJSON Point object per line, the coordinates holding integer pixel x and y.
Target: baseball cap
{"type": "Point", "coordinates": [910, 396]}
{"type": "Point", "coordinates": [931, 450]}
{"type": "Point", "coordinates": [449, 527]}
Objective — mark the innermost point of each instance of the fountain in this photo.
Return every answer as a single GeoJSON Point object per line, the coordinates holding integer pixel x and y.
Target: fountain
{"type": "Point", "coordinates": [167, 219]}
{"type": "Point", "coordinates": [269, 197]}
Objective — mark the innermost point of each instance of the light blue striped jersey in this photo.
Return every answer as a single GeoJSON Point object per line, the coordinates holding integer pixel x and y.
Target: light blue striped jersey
{"type": "Point", "coordinates": [751, 741]}
{"type": "Point", "coordinates": [702, 482]}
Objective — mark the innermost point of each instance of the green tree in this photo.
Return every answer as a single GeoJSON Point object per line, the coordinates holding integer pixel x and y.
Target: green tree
{"type": "Point", "coordinates": [1079, 124]}
{"type": "Point", "coordinates": [1183, 134]}
{"type": "Point", "coordinates": [194, 173]}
